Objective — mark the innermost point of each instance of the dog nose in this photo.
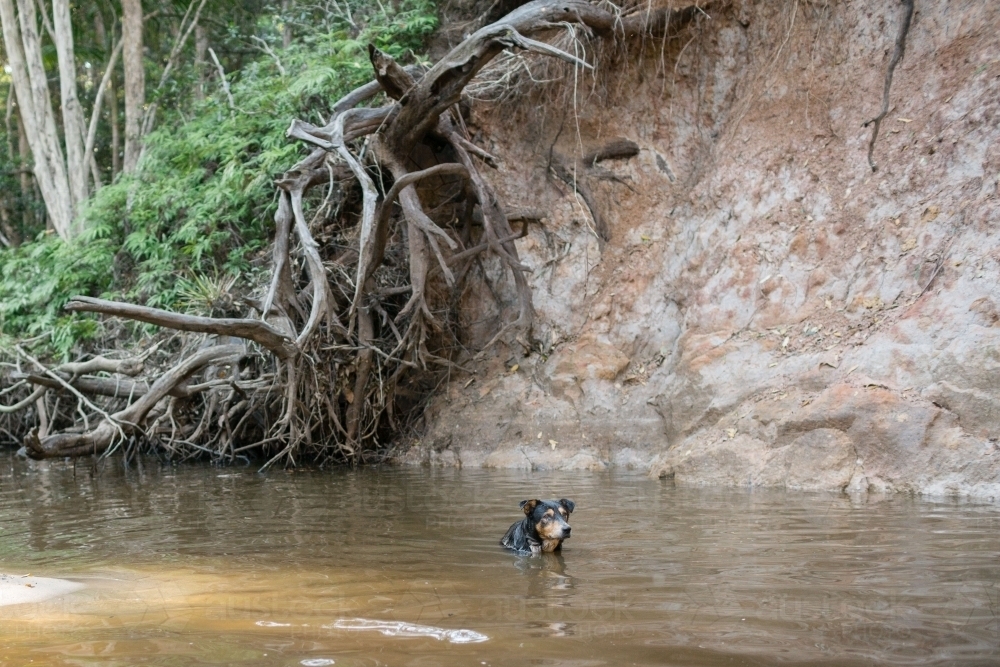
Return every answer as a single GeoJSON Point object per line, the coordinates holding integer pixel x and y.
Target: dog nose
{"type": "Point", "coordinates": [566, 531]}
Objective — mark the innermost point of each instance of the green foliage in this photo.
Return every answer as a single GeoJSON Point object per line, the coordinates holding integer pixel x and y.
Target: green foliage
{"type": "Point", "coordinates": [203, 295]}
{"type": "Point", "coordinates": [203, 200]}
{"type": "Point", "coordinates": [39, 277]}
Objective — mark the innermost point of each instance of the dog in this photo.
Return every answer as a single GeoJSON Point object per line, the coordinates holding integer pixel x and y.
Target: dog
{"type": "Point", "coordinates": [543, 528]}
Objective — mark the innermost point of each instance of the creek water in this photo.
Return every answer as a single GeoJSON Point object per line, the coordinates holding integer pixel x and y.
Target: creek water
{"type": "Point", "coordinates": [196, 565]}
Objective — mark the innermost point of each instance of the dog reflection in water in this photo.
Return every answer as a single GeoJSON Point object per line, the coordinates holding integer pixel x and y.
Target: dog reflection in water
{"type": "Point", "coordinates": [542, 531]}
{"type": "Point", "coordinates": [549, 595]}
{"type": "Point", "coordinates": [543, 528]}
{"type": "Point", "coordinates": [547, 577]}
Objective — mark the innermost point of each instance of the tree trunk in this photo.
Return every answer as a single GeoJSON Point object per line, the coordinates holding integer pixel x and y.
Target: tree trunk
{"type": "Point", "coordinates": [77, 164]}
{"type": "Point", "coordinates": [5, 226]}
{"type": "Point", "coordinates": [24, 54]}
{"type": "Point", "coordinates": [95, 113]}
{"type": "Point", "coordinates": [135, 81]}
{"type": "Point", "coordinates": [110, 94]}
{"type": "Point", "coordinates": [116, 140]}
{"type": "Point", "coordinates": [8, 126]}
{"type": "Point", "coordinates": [149, 114]}
{"type": "Point", "coordinates": [8, 236]}
{"type": "Point", "coordinates": [286, 31]}
{"type": "Point", "coordinates": [27, 190]}
{"type": "Point", "coordinates": [200, 63]}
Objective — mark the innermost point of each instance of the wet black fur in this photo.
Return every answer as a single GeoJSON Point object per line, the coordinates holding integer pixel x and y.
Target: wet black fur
{"type": "Point", "coordinates": [523, 536]}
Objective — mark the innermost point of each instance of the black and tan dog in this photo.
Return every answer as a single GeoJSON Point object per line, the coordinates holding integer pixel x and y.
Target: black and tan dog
{"type": "Point", "coordinates": [543, 528]}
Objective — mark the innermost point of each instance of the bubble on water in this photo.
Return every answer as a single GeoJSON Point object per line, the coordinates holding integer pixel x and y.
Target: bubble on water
{"type": "Point", "coordinates": [401, 629]}
{"type": "Point", "coordinates": [272, 624]}
{"type": "Point", "coordinates": [465, 637]}
{"type": "Point", "coordinates": [317, 662]}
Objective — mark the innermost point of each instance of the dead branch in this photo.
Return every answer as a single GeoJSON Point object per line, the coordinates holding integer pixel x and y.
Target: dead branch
{"type": "Point", "coordinates": [385, 211]}
{"type": "Point", "coordinates": [451, 169]}
{"type": "Point", "coordinates": [222, 78]}
{"type": "Point", "coordinates": [497, 228]}
{"type": "Point", "coordinates": [23, 403]}
{"type": "Point", "coordinates": [266, 48]}
{"type": "Point", "coordinates": [364, 363]}
{"type": "Point", "coordinates": [281, 287]}
{"type": "Point", "coordinates": [482, 247]}
{"type": "Point", "coordinates": [576, 174]}
{"type": "Point", "coordinates": [255, 330]}
{"type": "Point", "coordinates": [357, 123]}
{"type": "Point", "coordinates": [572, 174]}
{"type": "Point", "coordinates": [322, 304]}
{"type": "Point", "coordinates": [393, 79]}
{"type": "Point", "coordinates": [518, 214]}
{"type": "Point", "coordinates": [113, 387]}
{"type": "Point", "coordinates": [128, 420]}
{"type": "Point", "coordinates": [99, 364]}
{"type": "Point", "coordinates": [367, 91]}
{"type": "Point", "coordinates": [618, 149]}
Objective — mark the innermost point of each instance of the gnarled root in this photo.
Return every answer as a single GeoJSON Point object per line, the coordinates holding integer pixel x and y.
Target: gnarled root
{"type": "Point", "coordinates": [358, 314]}
{"type": "Point", "coordinates": [126, 421]}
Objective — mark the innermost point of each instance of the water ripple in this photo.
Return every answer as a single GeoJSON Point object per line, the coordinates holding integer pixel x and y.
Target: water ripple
{"type": "Point", "coordinates": [400, 629]}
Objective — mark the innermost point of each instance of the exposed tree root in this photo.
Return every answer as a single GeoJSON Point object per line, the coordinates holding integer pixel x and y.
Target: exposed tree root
{"type": "Point", "coordinates": [897, 55]}
{"type": "Point", "coordinates": [97, 440]}
{"type": "Point", "coordinates": [617, 149]}
{"type": "Point", "coordinates": [255, 330]}
{"type": "Point", "coordinates": [353, 330]}
{"type": "Point", "coordinates": [577, 175]}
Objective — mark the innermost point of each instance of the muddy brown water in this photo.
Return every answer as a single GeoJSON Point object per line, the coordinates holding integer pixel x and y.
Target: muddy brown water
{"type": "Point", "coordinates": [208, 566]}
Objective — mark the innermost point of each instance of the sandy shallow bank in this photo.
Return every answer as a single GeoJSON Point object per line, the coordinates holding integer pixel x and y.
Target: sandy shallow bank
{"type": "Point", "coordinates": [21, 589]}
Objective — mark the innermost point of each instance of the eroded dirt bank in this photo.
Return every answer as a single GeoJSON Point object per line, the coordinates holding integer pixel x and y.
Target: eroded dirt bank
{"type": "Point", "coordinates": [767, 310]}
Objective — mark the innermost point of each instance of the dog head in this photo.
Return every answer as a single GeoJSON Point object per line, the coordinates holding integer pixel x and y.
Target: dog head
{"type": "Point", "coordinates": [549, 517]}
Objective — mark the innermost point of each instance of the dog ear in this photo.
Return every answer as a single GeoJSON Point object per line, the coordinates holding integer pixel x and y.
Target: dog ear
{"type": "Point", "coordinates": [568, 504]}
{"type": "Point", "coordinates": [529, 506]}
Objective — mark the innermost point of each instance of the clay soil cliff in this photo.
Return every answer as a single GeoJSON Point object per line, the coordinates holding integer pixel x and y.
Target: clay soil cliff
{"type": "Point", "coordinates": [767, 310]}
